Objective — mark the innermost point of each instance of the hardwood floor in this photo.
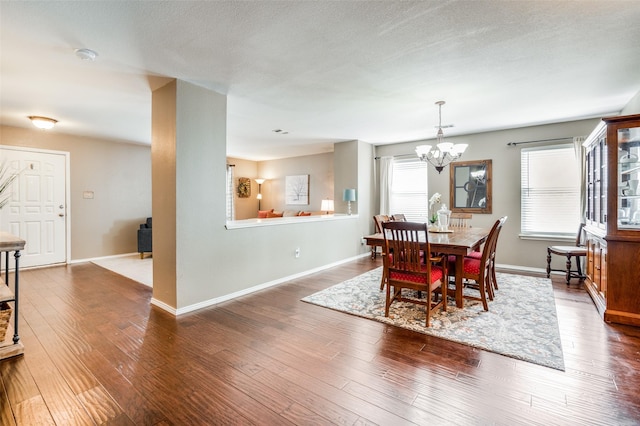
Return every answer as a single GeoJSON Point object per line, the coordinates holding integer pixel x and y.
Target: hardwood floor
{"type": "Point", "coordinates": [96, 352]}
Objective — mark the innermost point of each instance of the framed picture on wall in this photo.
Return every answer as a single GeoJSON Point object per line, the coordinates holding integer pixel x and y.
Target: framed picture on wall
{"type": "Point", "coordinates": [296, 189]}
{"type": "Point", "coordinates": [244, 187]}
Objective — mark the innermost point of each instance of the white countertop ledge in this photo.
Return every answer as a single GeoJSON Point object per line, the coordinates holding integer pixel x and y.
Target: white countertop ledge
{"type": "Point", "coordinates": [274, 221]}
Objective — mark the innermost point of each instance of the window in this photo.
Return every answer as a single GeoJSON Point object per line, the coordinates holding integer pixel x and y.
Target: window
{"type": "Point", "coordinates": [409, 190]}
{"type": "Point", "coordinates": [230, 207]}
{"type": "Point", "coordinates": [550, 191]}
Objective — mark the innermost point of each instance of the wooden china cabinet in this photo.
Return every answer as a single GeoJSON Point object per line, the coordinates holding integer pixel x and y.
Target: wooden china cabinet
{"type": "Point", "coordinates": [613, 218]}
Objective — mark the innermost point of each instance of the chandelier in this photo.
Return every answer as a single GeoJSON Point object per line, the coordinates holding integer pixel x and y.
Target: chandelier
{"type": "Point", "coordinates": [445, 152]}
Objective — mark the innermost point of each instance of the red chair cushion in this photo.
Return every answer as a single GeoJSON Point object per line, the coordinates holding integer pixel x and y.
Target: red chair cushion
{"type": "Point", "coordinates": [436, 274]}
{"type": "Point", "coordinates": [472, 255]}
{"type": "Point", "coordinates": [475, 255]}
{"type": "Point", "coordinates": [471, 266]}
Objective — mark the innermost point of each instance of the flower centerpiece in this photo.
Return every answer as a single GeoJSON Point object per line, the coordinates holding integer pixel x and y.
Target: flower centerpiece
{"type": "Point", "coordinates": [434, 201]}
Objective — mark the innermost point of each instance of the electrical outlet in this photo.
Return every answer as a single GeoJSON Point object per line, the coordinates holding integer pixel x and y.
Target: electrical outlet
{"type": "Point", "coordinates": [297, 252]}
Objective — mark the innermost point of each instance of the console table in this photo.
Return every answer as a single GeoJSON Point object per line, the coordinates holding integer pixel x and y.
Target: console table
{"type": "Point", "coordinates": [11, 346]}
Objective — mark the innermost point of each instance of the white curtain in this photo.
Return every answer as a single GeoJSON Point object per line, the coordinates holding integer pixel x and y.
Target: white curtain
{"type": "Point", "coordinates": [386, 179]}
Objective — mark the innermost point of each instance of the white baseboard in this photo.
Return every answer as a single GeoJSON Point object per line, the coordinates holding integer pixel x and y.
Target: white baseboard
{"type": "Point", "coordinates": [91, 259]}
{"type": "Point", "coordinates": [226, 297]}
{"type": "Point", "coordinates": [516, 268]}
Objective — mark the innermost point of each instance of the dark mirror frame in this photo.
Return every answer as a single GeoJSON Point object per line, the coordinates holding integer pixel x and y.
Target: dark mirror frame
{"type": "Point", "coordinates": [468, 186]}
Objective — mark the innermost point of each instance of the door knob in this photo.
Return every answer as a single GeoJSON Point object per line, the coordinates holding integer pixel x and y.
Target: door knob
{"type": "Point", "coordinates": [61, 214]}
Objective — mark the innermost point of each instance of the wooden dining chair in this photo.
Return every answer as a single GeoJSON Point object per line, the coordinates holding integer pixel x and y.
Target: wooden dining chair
{"type": "Point", "coordinates": [379, 219]}
{"type": "Point", "coordinates": [478, 255]}
{"type": "Point", "coordinates": [578, 252]}
{"type": "Point", "coordinates": [399, 217]}
{"type": "Point", "coordinates": [460, 220]}
{"type": "Point", "coordinates": [405, 244]}
{"type": "Point", "coordinates": [476, 273]}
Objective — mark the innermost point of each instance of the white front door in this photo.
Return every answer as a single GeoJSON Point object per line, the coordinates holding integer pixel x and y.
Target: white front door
{"type": "Point", "coordinates": [37, 210]}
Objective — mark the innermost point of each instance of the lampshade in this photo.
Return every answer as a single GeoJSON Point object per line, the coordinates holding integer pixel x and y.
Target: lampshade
{"type": "Point", "coordinates": [326, 206]}
{"type": "Point", "coordinates": [259, 181]}
{"type": "Point", "coordinates": [349, 195]}
{"type": "Point", "coordinates": [44, 123]}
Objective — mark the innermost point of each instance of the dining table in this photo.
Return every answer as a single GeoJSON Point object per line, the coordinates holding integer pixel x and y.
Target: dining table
{"type": "Point", "coordinates": [453, 241]}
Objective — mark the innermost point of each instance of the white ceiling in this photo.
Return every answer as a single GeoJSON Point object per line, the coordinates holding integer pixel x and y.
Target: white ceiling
{"type": "Point", "coordinates": [325, 71]}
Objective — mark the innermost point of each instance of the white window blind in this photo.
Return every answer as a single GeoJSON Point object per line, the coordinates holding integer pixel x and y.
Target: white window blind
{"type": "Point", "coordinates": [230, 206]}
{"type": "Point", "coordinates": [549, 191]}
{"type": "Point", "coordinates": [409, 190]}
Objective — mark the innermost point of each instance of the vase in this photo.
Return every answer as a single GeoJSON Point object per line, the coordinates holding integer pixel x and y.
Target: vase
{"type": "Point", "coordinates": [443, 218]}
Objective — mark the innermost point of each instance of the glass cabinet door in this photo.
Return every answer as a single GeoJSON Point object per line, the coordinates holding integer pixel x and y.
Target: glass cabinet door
{"type": "Point", "coordinates": [596, 175]}
{"type": "Point", "coordinates": [628, 142]}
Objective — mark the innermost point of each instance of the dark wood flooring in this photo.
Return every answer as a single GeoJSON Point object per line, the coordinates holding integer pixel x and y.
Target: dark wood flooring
{"type": "Point", "coordinates": [97, 352]}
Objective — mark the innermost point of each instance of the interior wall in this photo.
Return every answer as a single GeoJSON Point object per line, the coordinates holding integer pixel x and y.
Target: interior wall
{"type": "Point", "coordinates": [633, 107]}
{"type": "Point", "coordinates": [118, 174]}
{"type": "Point", "coordinates": [320, 169]}
{"type": "Point", "coordinates": [506, 183]}
{"type": "Point", "coordinates": [202, 252]}
{"type": "Point", "coordinates": [366, 188]}
{"type": "Point", "coordinates": [356, 175]}
{"type": "Point", "coordinates": [163, 151]}
{"type": "Point", "coordinates": [213, 262]}
{"type": "Point", "coordinates": [346, 173]}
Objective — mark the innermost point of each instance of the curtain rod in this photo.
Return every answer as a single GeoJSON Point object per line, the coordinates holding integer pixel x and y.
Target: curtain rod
{"type": "Point", "coordinates": [397, 156]}
{"type": "Point", "coordinates": [540, 141]}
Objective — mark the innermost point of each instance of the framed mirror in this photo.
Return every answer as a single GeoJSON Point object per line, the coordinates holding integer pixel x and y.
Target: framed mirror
{"type": "Point", "coordinates": [470, 186]}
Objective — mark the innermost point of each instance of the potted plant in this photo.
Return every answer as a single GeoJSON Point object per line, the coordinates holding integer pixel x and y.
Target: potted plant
{"type": "Point", "coordinates": [433, 210]}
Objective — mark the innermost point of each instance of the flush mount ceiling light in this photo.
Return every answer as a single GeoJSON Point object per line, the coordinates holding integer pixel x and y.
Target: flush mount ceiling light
{"type": "Point", "coordinates": [445, 152]}
{"type": "Point", "coordinates": [86, 54]}
{"type": "Point", "coordinates": [44, 123]}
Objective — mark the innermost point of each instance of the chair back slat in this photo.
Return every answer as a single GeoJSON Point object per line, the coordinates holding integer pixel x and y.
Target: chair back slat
{"type": "Point", "coordinates": [460, 220]}
{"type": "Point", "coordinates": [406, 242]}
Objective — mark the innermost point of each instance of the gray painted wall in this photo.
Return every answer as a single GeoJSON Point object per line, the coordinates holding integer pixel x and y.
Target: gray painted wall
{"type": "Point", "coordinates": [320, 169]}
{"type": "Point", "coordinates": [119, 174]}
{"type": "Point", "coordinates": [212, 261]}
{"type": "Point", "coordinates": [633, 107]}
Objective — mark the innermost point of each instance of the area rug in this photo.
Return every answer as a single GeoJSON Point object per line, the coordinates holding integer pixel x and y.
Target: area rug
{"type": "Point", "coordinates": [521, 323]}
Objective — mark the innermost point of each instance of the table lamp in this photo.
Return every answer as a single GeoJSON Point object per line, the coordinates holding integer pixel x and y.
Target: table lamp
{"type": "Point", "coordinates": [349, 195]}
{"type": "Point", "coordinates": [327, 206]}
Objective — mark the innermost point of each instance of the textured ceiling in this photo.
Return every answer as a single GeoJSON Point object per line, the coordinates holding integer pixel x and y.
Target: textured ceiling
{"type": "Point", "coordinates": [323, 71]}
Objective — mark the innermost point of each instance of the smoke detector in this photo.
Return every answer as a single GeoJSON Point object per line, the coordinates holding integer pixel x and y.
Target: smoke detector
{"type": "Point", "coordinates": [86, 54]}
